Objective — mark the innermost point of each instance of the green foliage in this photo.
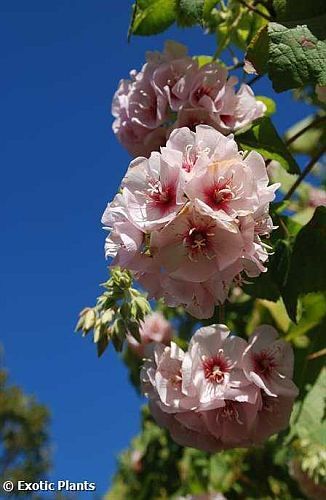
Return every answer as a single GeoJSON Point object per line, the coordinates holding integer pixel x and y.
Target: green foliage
{"type": "Point", "coordinates": [190, 12]}
{"type": "Point", "coordinates": [311, 141]}
{"type": "Point", "coordinates": [292, 51]}
{"type": "Point", "coordinates": [118, 311]}
{"type": "Point", "coordinates": [152, 16]}
{"type": "Point", "coordinates": [24, 449]}
{"type": "Point", "coordinates": [269, 103]}
{"type": "Point", "coordinates": [263, 137]}
{"type": "Point", "coordinates": [311, 422]}
{"type": "Point", "coordinates": [154, 467]}
{"type": "Point", "coordinates": [307, 262]}
{"type": "Point", "coordinates": [292, 10]}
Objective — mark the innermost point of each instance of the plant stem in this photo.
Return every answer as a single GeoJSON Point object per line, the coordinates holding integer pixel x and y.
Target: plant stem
{"type": "Point", "coordinates": [317, 121]}
{"type": "Point", "coordinates": [257, 11]}
{"type": "Point", "coordinates": [304, 172]}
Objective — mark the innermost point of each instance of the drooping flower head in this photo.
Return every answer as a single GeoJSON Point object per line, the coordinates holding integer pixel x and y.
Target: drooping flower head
{"type": "Point", "coordinates": [204, 397]}
{"type": "Point", "coordinates": [189, 220]}
{"type": "Point", "coordinates": [170, 91]}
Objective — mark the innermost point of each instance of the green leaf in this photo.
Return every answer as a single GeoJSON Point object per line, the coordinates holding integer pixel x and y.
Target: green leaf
{"type": "Point", "coordinates": [292, 10]}
{"type": "Point", "coordinates": [311, 141]}
{"type": "Point", "coordinates": [292, 53]}
{"type": "Point", "coordinates": [203, 60]}
{"type": "Point", "coordinates": [313, 311]}
{"type": "Point", "coordinates": [190, 12]}
{"type": "Point", "coordinates": [269, 103]}
{"type": "Point", "coordinates": [297, 55]}
{"type": "Point", "coordinates": [311, 423]}
{"type": "Point", "coordinates": [263, 137]}
{"type": "Point", "coordinates": [307, 271]}
{"type": "Point", "coordinates": [208, 7]}
{"type": "Point", "coordinates": [102, 344]}
{"type": "Point", "coordinates": [152, 16]}
{"type": "Point", "coordinates": [257, 52]}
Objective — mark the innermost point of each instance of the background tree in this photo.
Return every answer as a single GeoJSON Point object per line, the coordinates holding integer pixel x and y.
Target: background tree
{"type": "Point", "coordinates": [24, 439]}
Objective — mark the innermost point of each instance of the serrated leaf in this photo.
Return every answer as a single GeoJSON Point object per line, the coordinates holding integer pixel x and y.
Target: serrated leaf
{"type": "Point", "coordinates": [297, 55]}
{"type": "Point", "coordinates": [307, 272]}
{"type": "Point", "coordinates": [293, 53]}
{"type": "Point", "coordinates": [263, 137]}
{"type": "Point", "coordinates": [152, 16]}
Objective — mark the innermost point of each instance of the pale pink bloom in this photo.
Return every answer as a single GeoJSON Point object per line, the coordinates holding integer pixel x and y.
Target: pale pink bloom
{"type": "Point", "coordinates": [248, 108]}
{"type": "Point", "coordinates": [151, 191]}
{"type": "Point", "coordinates": [263, 221]}
{"type": "Point", "coordinates": [268, 363]}
{"type": "Point", "coordinates": [125, 240]}
{"type": "Point", "coordinates": [171, 91]}
{"type": "Point", "coordinates": [208, 88]}
{"type": "Point", "coordinates": [232, 186]}
{"type": "Point", "coordinates": [172, 80]}
{"type": "Point", "coordinates": [139, 112]}
{"type": "Point", "coordinates": [163, 371]}
{"type": "Point", "coordinates": [200, 148]}
{"type": "Point", "coordinates": [154, 328]}
{"type": "Point", "coordinates": [317, 197]}
{"type": "Point", "coordinates": [233, 423]}
{"type": "Point", "coordinates": [273, 416]}
{"type": "Point", "coordinates": [212, 368]}
{"type": "Point", "coordinates": [195, 245]}
{"type": "Point", "coordinates": [182, 435]}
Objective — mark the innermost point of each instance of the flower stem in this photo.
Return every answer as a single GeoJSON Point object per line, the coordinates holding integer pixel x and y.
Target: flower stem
{"type": "Point", "coordinates": [304, 173]}
{"type": "Point", "coordinates": [257, 11]}
{"type": "Point", "coordinates": [317, 121]}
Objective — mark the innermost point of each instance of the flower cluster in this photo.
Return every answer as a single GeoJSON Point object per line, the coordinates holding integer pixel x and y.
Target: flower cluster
{"type": "Point", "coordinates": [154, 328]}
{"type": "Point", "coordinates": [224, 392]}
{"type": "Point", "coordinates": [172, 91]}
{"type": "Point", "coordinates": [188, 221]}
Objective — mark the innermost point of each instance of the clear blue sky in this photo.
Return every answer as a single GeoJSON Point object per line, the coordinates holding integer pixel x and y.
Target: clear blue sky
{"type": "Point", "coordinates": [60, 64]}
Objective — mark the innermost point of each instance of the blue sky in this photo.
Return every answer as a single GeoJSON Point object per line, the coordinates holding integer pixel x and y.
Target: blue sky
{"type": "Point", "coordinates": [60, 64]}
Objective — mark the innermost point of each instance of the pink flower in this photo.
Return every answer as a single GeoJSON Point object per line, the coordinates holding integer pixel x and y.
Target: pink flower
{"type": "Point", "coordinates": [268, 363]}
{"type": "Point", "coordinates": [151, 191]}
{"type": "Point", "coordinates": [172, 80]}
{"type": "Point", "coordinates": [194, 245]}
{"type": "Point", "coordinates": [273, 416]}
{"type": "Point", "coordinates": [188, 220]}
{"type": "Point", "coordinates": [167, 379]}
{"type": "Point", "coordinates": [154, 328]}
{"type": "Point", "coordinates": [232, 424]}
{"type": "Point", "coordinates": [203, 396]}
{"type": "Point", "coordinates": [171, 91]}
{"type": "Point", "coordinates": [208, 88]}
{"type": "Point", "coordinates": [212, 368]}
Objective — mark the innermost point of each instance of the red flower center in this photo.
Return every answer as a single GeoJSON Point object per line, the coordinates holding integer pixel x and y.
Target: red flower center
{"type": "Point", "coordinates": [215, 368]}
{"type": "Point", "coordinates": [264, 363]}
{"type": "Point", "coordinates": [162, 197]}
{"type": "Point", "coordinates": [219, 195]}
